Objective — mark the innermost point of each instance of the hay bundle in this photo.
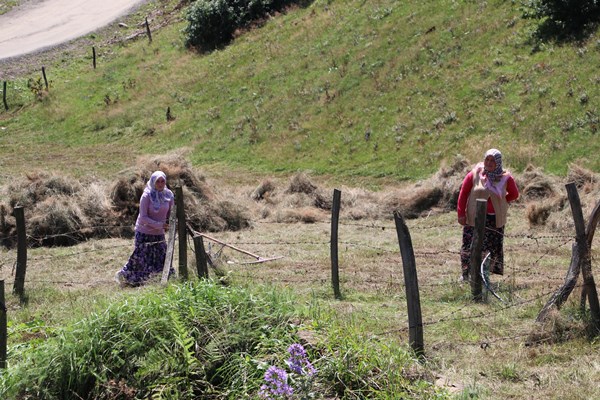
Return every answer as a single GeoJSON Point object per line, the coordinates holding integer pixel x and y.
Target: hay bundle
{"type": "Point", "coordinates": [7, 226]}
{"type": "Point", "coordinates": [179, 173]}
{"type": "Point", "coordinates": [584, 179]}
{"type": "Point", "coordinates": [96, 205]}
{"type": "Point", "coordinates": [538, 212]}
{"type": "Point", "coordinates": [125, 196]}
{"type": "Point", "coordinates": [203, 212]}
{"type": "Point", "coordinates": [535, 184]}
{"type": "Point", "coordinates": [38, 187]}
{"type": "Point", "coordinates": [300, 183]}
{"type": "Point", "coordinates": [412, 204]}
{"type": "Point", "coordinates": [58, 220]}
{"type": "Point", "coordinates": [263, 191]}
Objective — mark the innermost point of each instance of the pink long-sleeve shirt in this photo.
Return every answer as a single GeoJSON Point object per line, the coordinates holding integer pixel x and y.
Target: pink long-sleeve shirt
{"type": "Point", "coordinates": [149, 220]}
{"type": "Point", "coordinates": [512, 193]}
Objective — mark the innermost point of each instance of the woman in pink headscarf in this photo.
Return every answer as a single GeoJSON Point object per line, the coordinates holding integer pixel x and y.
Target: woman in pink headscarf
{"type": "Point", "coordinates": [490, 182]}
{"type": "Point", "coordinates": [148, 256]}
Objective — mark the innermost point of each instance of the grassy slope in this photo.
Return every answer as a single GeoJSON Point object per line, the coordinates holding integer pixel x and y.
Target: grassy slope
{"type": "Point", "coordinates": [424, 80]}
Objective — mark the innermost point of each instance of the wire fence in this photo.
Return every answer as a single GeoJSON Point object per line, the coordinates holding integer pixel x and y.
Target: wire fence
{"type": "Point", "coordinates": [370, 263]}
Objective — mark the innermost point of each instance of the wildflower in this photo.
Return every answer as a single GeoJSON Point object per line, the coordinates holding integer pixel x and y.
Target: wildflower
{"type": "Point", "coordinates": [276, 384]}
{"type": "Point", "coordinates": [298, 361]}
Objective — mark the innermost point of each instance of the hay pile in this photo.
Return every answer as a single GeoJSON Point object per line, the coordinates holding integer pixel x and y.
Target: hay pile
{"type": "Point", "coordinates": [588, 188]}
{"type": "Point", "coordinates": [543, 196]}
{"type": "Point", "coordinates": [204, 212]}
{"type": "Point", "coordinates": [61, 211]}
{"type": "Point", "coordinates": [436, 194]}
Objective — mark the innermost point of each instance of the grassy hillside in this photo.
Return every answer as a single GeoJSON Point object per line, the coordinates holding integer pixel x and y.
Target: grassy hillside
{"type": "Point", "coordinates": [370, 91]}
{"type": "Point", "coordinates": [353, 87]}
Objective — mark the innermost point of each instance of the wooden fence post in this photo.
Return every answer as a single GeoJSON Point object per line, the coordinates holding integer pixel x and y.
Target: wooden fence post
{"type": "Point", "coordinates": [94, 56]}
{"type": "Point", "coordinates": [4, 96]}
{"type": "Point", "coordinates": [582, 246]}
{"type": "Point", "coordinates": [3, 327]}
{"type": "Point", "coordinates": [19, 285]}
{"type": "Point", "coordinates": [411, 283]}
{"type": "Point", "coordinates": [580, 262]}
{"type": "Point", "coordinates": [335, 217]}
{"type": "Point", "coordinates": [148, 31]}
{"type": "Point", "coordinates": [182, 232]}
{"type": "Point", "coordinates": [44, 75]}
{"type": "Point", "coordinates": [476, 246]}
{"type": "Point", "coordinates": [201, 262]}
{"type": "Point", "coordinates": [170, 246]}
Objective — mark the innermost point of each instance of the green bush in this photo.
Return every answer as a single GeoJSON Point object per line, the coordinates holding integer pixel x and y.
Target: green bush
{"type": "Point", "coordinates": [564, 17]}
{"type": "Point", "coordinates": [212, 23]}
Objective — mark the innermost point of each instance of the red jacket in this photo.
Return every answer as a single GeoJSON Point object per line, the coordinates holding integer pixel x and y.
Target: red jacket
{"type": "Point", "coordinates": [512, 193]}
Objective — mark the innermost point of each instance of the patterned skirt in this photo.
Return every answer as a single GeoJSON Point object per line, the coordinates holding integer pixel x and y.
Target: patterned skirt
{"type": "Point", "coordinates": [147, 259]}
{"type": "Point", "coordinates": [493, 242]}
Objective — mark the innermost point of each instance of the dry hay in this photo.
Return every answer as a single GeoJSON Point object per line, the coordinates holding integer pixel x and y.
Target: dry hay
{"type": "Point", "coordinates": [263, 191]}
{"type": "Point", "coordinates": [300, 183]}
{"type": "Point", "coordinates": [57, 210]}
{"type": "Point", "coordinates": [538, 212]}
{"type": "Point", "coordinates": [63, 211]}
{"type": "Point", "coordinates": [438, 193]}
{"type": "Point", "coordinates": [202, 209]}
{"type": "Point", "coordinates": [303, 214]}
{"type": "Point", "coordinates": [448, 180]}
{"type": "Point", "coordinates": [37, 187]}
{"type": "Point", "coordinates": [535, 185]}
{"type": "Point", "coordinates": [584, 179]}
{"type": "Point", "coordinates": [556, 328]}
{"type": "Point", "coordinates": [552, 208]}
{"type": "Point", "coordinates": [412, 203]}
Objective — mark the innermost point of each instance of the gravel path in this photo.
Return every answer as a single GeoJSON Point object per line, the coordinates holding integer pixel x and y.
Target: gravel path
{"type": "Point", "coordinates": [34, 26]}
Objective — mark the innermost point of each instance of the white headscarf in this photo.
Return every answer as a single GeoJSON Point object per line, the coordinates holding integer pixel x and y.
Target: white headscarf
{"type": "Point", "coordinates": [496, 174]}
{"type": "Point", "coordinates": [157, 198]}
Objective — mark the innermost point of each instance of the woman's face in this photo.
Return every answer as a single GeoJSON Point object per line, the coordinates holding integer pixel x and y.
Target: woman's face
{"type": "Point", "coordinates": [489, 163]}
{"type": "Point", "coordinates": [159, 184]}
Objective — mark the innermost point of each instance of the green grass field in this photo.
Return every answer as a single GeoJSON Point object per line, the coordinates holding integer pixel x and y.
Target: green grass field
{"type": "Point", "coordinates": [368, 96]}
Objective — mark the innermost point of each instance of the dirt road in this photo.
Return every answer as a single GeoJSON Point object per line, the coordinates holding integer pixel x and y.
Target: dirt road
{"type": "Point", "coordinates": [39, 25]}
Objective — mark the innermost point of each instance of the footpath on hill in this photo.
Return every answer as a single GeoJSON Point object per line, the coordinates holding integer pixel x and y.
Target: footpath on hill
{"type": "Point", "coordinates": [39, 25]}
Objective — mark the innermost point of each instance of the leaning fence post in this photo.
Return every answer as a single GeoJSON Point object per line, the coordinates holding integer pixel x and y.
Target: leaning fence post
{"type": "Point", "coordinates": [170, 246]}
{"type": "Point", "coordinates": [94, 56]}
{"type": "Point", "coordinates": [182, 232]}
{"type": "Point", "coordinates": [44, 75]}
{"type": "Point", "coordinates": [148, 31]}
{"type": "Point", "coordinates": [477, 245]}
{"type": "Point", "coordinates": [411, 283]}
{"type": "Point", "coordinates": [3, 327]}
{"type": "Point", "coordinates": [335, 217]}
{"type": "Point", "coordinates": [4, 96]}
{"type": "Point", "coordinates": [19, 285]}
{"type": "Point", "coordinates": [582, 247]}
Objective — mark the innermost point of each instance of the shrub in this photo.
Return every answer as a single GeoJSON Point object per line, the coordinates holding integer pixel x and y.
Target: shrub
{"type": "Point", "coordinates": [564, 17]}
{"type": "Point", "coordinates": [212, 23]}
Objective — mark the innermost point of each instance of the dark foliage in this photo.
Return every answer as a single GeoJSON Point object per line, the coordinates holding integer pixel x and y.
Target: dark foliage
{"type": "Point", "coordinates": [213, 23]}
{"type": "Point", "coordinates": [564, 19]}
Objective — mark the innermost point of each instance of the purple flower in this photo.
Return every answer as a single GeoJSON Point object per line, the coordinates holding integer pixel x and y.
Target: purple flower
{"type": "Point", "coordinates": [276, 384]}
{"type": "Point", "coordinates": [298, 361]}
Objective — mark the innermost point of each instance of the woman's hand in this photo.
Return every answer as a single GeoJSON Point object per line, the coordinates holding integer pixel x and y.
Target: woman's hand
{"type": "Point", "coordinates": [166, 227]}
{"type": "Point", "coordinates": [462, 220]}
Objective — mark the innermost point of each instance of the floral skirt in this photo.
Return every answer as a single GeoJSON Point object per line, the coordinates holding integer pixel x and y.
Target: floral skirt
{"type": "Point", "coordinates": [147, 259]}
{"type": "Point", "coordinates": [493, 242]}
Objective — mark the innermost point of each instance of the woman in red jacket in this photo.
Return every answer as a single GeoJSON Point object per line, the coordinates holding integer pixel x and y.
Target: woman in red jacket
{"type": "Point", "coordinates": [490, 182]}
